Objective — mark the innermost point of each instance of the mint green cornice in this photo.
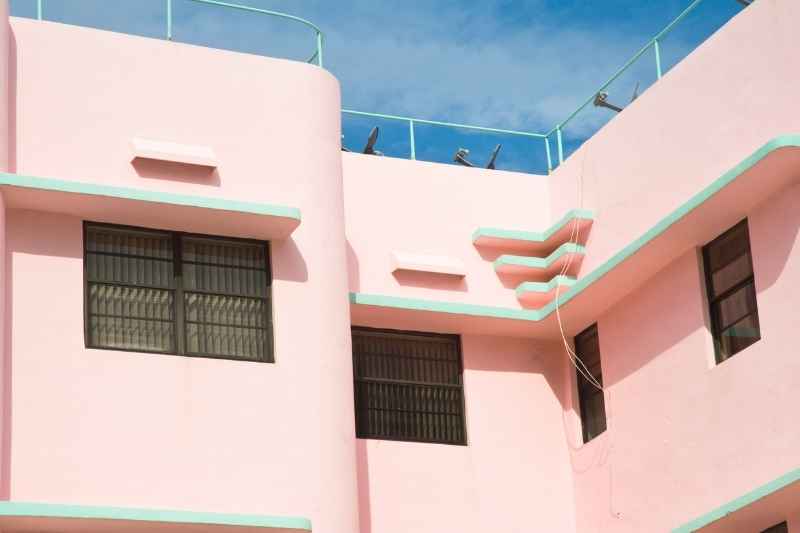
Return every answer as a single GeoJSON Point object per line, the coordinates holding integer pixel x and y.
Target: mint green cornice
{"type": "Point", "coordinates": [539, 262]}
{"type": "Point", "coordinates": [532, 236]}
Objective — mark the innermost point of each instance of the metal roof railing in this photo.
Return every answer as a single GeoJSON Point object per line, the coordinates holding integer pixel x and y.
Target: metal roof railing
{"type": "Point", "coordinates": [316, 58]}
{"type": "Point", "coordinates": [653, 44]}
{"type": "Point", "coordinates": [556, 132]}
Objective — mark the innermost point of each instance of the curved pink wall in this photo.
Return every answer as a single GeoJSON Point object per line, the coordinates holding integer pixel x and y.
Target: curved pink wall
{"type": "Point", "coordinates": [112, 428]}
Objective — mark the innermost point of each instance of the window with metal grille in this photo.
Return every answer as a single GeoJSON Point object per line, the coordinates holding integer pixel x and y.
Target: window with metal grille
{"type": "Point", "coordinates": [783, 527]}
{"type": "Point", "coordinates": [590, 396]}
{"type": "Point", "coordinates": [731, 292]}
{"type": "Point", "coordinates": [176, 293]}
{"type": "Point", "coordinates": [408, 386]}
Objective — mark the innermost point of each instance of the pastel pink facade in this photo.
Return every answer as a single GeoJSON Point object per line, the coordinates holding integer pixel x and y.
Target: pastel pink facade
{"type": "Point", "coordinates": [237, 145]}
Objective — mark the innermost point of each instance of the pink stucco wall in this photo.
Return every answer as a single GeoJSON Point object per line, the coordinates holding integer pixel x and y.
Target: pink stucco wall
{"type": "Point", "coordinates": [512, 477]}
{"type": "Point", "coordinates": [722, 102]}
{"type": "Point", "coordinates": [125, 429]}
{"type": "Point", "coordinates": [685, 435]}
{"type": "Point", "coordinates": [432, 209]}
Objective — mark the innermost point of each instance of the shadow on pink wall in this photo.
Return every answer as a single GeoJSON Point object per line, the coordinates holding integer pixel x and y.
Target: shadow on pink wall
{"type": "Point", "coordinates": [362, 476]}
{"type": "Point", "coordinates": [181, 172]}
{"type": "Point", "coordinates": [774, 227]}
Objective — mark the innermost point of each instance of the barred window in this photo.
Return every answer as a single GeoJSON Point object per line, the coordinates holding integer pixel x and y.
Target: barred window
{"type": "Point", "coordinates": [590, 397]}
{"type": "Point", "coordinates": [731, 292]}
{"type": "Point", "coordinates": [176, 293]}
{"type": "Point", "coordinates": [408, 386]}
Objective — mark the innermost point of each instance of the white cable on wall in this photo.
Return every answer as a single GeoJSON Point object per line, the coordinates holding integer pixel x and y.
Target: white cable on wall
{"type": "Point", "coordinates": [574, 237]}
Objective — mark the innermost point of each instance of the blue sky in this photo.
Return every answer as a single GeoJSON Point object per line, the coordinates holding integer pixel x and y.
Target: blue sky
{"type": "Point", "coordinates": [511, 64]}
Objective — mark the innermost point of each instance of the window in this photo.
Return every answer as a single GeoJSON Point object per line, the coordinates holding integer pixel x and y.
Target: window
{"type": "Point", "coordinates": [592, 403]}
{"type": "Point", "coordinates": [408, 386]}
{"type": "Point", "coordinates": [175, 293]}
{"type": "Point", "coordinates": [783, 527]}
{"type": "Point", "coordinates": [731, 292]}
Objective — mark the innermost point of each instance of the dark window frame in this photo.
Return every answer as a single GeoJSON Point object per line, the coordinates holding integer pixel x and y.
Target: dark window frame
{"type": "Point", "coordinates": [586, 388]}
{"type": "Point", "coordinates": [179, 329]}
{"type": "Point", "coordinates": [712, 300]}
{"type": "Point", "coordinates": [782, 527]}
{"type": "Point", "coordinates": [460, 386]}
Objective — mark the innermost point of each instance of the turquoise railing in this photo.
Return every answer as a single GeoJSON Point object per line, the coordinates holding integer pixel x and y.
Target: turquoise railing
{"type": "Point", "coordinates": [319, 38]}
{"type": "Point", "coordinates": [413, 121]}
{"type": "Point", "coordinates": [557, 131]}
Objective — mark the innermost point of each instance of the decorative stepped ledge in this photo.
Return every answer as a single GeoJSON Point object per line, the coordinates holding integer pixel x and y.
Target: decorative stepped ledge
{"type": "Point", "coordinates": [769, 169]}
{"type": "Point", "coordinates": [542, 267]}
{"type": "Point", "coordinates": [537, 294]}
{"type": "Point", "coordinates": [536, 242]}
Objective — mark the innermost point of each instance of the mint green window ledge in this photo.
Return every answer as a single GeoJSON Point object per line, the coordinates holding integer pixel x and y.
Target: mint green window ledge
{"type": "Point", "coordinates": [126, 193]}
{"type": "Point", "coordinates": [50, 510]}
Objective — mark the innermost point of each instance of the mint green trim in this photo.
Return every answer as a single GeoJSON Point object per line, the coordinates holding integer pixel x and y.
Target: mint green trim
{"type": "Point", "coordinates": [741, 502]}
{"type": "Point", "coordinates": [534, 315]}
{"type": "Point", "coordinates": [528, 287]}
{"type": "Point", "coordinates": [49, 510]}
{"type": "Point", "coordinates": [203, 202]}
{"type": "Point", "coordinates": [665, 223]}
{"type": "Point", "coordinates": [532, 236]}
{"type": "Point", "coordinates": [433, 306]}
{"type": "Point", "coordinates": [540, 263]}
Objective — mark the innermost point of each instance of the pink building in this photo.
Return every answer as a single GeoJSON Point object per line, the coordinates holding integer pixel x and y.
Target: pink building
{"type": "Point", "coordinates": [402, 357]}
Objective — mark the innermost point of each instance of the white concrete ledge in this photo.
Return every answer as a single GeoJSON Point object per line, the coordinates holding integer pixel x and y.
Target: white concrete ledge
{"type": "Point", "coordinates": [427, 263]}
{"type": "Point", "coordinates": [188, 154]}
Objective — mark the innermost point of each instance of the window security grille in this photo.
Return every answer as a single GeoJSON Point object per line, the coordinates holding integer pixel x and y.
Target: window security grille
{"type": "Point", "coordinates": [408, 386]}
{"type": "Point", "coordinates": [592, 402]}
{"type": "Point", "coordinates": [167, 292]}
{"type": "Point", "coordinates": [731, 292]}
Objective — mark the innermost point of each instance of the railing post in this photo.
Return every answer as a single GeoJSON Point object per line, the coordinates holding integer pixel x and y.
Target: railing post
{"type": "Point", "coordinates": [169, 20]}
{"type": "Point", "coordinates": [560, 145]}
{"type": "Point", "coordinates": [547, 151]}
{"type": "Point", "coordinates": [412, 141]}
{"type": "Point", "coordinates": [657, 48]}
{"type": "Point", "coordinates": [319, 49]}
{"type": "Point", "coordinates": [39, 10]}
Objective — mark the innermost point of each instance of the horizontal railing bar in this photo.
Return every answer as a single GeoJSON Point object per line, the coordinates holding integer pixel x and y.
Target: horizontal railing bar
{"type": "Point", "coordinates": [259, 10]}
{"type": "Point", "coordinates": [557, 129]}
{"type": "Point", "coordinates": [677, 20]}
{"type": "Point", "coordinates": [439, 123]}
{"type": "Point", "coordinates": [632, 60]}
